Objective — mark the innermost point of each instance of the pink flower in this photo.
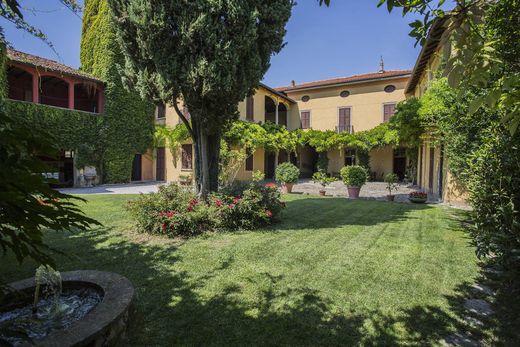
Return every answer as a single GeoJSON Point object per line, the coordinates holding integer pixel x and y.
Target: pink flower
{"type": "Point", "coordinates": [190, 208]}
{"type": "Point", "coordinates": [231, 205]}
{"type": "Point", "coordinates": [236, 200]}
{"type": "Point", "coordinates": [269, 213]}
{"type": "Point", "coordinates": [194, 201]}
{"type": "Point", "coordinates": [163, 226]}
{"type": "Point", "coordinates": [218, 202]}
{"type": "Point", "coordinates": [270, 185]}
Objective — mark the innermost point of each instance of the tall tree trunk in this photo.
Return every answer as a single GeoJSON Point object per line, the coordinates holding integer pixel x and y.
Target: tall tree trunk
{"type": "Point", "coordinates": [207, 152]}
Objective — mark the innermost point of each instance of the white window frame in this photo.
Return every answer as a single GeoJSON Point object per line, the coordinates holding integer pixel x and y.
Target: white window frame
{"type": "Point", "coordinates": [310, 119]}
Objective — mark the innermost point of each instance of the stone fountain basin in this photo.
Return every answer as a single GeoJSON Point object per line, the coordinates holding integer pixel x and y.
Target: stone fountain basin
{"type": "Point", "coordinates": [105, 324]}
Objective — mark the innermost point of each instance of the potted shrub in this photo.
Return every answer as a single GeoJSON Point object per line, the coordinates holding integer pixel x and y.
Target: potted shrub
{"type": "Point", "coordinates": [418, 197]}
{"type": "Point", "coordinates": [391, 180]}
{"type": "Point", "coordinates": [287, 174]}
{"type": "Point", "coordinates": [354, 177]}
{"type": "Point", "coordinates": [323, 179]}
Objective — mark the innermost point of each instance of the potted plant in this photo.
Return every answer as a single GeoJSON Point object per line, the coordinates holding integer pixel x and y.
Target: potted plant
{"type": "Point", "coordinates": [418, 197]}
{"type": "Point", "coordinates": [354, 177]}
{"type": "Point", "coordinates": [323, 179]}
{"type": "Point", "coordinates": [287, 174]}
{"type": "Point", "coordinates": [391, 180]}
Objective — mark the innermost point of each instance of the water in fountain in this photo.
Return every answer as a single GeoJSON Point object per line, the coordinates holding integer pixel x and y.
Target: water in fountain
{"type": "Point", "coordinates": [53, 309]}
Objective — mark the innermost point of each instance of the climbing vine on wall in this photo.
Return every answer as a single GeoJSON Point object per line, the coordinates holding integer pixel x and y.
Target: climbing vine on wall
{"type": "Point", "coordinates": [127, 124]}
{"type": "Point", "coordinates": [74, 130]}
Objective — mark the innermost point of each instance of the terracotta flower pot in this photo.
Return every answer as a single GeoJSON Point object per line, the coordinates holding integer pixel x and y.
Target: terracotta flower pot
{"type": "Point", "coordinates": [390, 197]}
{"type": "Point", "coordinates": [287, 188]}
{"type": "Point", "coordinates": [353, 192]}
{"type": "Point", "coordinates": [322, 192]}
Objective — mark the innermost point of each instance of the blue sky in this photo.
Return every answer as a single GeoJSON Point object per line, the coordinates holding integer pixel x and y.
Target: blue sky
{"type": "Point", "coordinates": [322, 42]}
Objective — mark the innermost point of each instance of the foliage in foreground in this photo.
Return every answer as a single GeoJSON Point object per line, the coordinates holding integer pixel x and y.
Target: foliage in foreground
{"type": "Point", "coordinates": [28, 205]}
{"type": "Point", "coordinates": [176, 211]}
{"type": "Point", "coordinates": [483, 157]}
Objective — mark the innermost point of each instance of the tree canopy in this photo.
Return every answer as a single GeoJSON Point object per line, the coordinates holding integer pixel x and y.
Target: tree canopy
{"type": "Point", "coordinates": [210, 54]}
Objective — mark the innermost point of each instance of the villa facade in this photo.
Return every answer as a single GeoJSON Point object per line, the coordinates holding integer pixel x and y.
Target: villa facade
{"type": "Point", "coordinates": [433, 174]}
{"type": "Point", "coordinates": [348, 104]}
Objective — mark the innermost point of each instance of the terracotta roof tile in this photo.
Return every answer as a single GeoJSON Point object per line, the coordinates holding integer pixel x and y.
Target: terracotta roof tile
{"type": "Point", "coordinates": [47, 64]}
{"type": "Point", "coordinates": [346, 80]}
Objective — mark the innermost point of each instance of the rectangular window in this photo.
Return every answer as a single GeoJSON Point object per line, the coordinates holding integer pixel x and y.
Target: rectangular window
{"type": "Point", "coordinates": [305, 118]}
{"type": "Point", "coordinates": [343, 119]}
{"type": "Point", "coordinates": [187, 157]}
{"type": "Point", "coordinates": [249, 162]}
{"type": "Point", "coordinates": [350, 157]}
{"type": "Point", "coordinates": [161, 111]}
{"type": "Point", "coordinates": [250, 106]}
{"type": "Point", "coordinates": [388, 111]}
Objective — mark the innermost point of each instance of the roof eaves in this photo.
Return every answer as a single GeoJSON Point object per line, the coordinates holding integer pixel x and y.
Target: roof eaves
{"type": "Point", "coordinates": [429, 47]}
{"type": "Point", "coordinates": [279, 93]}
{"type": "Point", "coordinates": [337, 84]}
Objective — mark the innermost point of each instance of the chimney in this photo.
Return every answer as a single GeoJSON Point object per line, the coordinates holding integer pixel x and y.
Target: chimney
{"type": "Point", "coordinates": [381, 65]}
{"type": "Point", "coordinates": [293, 83]}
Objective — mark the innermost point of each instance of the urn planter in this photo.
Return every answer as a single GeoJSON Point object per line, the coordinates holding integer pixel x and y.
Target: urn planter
{"type": "Point", "coordinates": [390, 197]}
{"type": "Point", "coordinates": [322, 192]}
{"type": "Point", "coordinates": [353, 192]}
{"type": "Point", "coordinates": [287, 188]}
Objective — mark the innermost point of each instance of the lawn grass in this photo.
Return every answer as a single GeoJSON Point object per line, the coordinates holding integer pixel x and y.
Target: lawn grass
{"type": "Point", "coordinates": [333, 272]}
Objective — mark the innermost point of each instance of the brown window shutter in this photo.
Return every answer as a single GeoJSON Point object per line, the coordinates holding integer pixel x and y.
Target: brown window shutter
{"type": "Point", "coordinates": [161, 111]}
{"type": "Point", "coordinates": [187, 157]}
{"type": "Point", "coordinates": [249, 162]}
{"type": "Point", "coordinates": [389, 111]}
{"type": "Point", "coordinates": [250, 108]}
{"type": "Point", "coordinates": [306, 119]}
{"type": "Point", "coordinates": [344, 118]}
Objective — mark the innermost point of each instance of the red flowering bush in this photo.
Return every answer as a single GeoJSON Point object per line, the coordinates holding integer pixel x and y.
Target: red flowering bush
{"type": "Point", "coordinates": [175, 210]}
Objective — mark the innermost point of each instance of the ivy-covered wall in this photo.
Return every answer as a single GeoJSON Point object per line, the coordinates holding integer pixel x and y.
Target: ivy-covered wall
{"type": "Point", "coordinates": [127, 127]}
{"type": "Point", "coordinates": [75, 130]}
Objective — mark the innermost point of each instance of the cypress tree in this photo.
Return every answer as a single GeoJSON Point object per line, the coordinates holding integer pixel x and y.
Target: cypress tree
{"type": "Point", "coordinates": [210, 53]}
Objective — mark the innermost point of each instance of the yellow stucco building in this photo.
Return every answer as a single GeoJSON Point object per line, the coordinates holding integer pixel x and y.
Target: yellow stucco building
{"type": "Point", "coordinates": [351, 104]}
{"type": "Point", "coordinates": [433, 174]}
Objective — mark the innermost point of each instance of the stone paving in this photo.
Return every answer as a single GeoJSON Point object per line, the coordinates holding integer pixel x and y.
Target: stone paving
{"type": "Point", "coordinates": [371, 190]}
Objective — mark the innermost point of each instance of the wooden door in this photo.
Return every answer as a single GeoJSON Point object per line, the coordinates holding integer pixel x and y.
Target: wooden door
{"type": "Point", "coordinates": [160, 170]}
{"type": "Point", "coordinates": [136, 168]}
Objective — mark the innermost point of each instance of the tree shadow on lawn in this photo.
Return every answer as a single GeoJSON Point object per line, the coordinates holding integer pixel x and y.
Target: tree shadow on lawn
{"type": "Point", "coordinates": [321, 213]}
{"type": "Point", "coordinates": [170, 309]}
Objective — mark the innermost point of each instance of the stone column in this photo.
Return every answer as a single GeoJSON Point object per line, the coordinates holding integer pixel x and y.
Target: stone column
{"type": "Point", "coordinates": [71, 95]}
{"type": "Point", "coordinates": [35, 88]}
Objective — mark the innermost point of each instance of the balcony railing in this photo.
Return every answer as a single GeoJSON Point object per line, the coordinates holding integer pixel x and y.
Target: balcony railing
{"type": "Point", "coordinates": [345, 128]}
